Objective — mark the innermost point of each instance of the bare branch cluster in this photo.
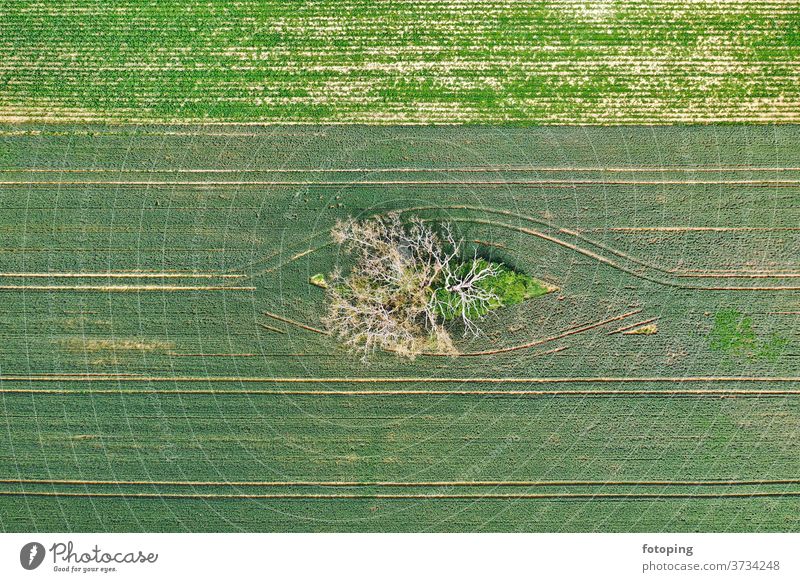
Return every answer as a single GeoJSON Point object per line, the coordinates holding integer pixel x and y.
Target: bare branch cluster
{"type": "Point", "coordinates": [389, 299]}
{"type": "Point", "coordinates": [467, 297]}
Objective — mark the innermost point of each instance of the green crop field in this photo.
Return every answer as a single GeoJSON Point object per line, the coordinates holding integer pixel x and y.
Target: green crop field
{"type": "Point", "coordinates": [163, 365]}
{"type": "Point", "coordinates": [409, 61]}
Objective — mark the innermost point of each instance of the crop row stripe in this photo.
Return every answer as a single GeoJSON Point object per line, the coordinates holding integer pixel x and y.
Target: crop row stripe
{"type": "Point", "coordinates": [401, 379]}
{"type": "Point", "coordinates": [454, 496]}
{"type": "Point", "coordinates": [716, 393]}
{"type": "Point", "coordinates": [131, 275]}
{"type": "Point", "coordinates": [488, 483]}
{"type": "Point", "coordinates": [761, 182]}
{"type": "Point", "coordinates": [125, 288]}
{"type": "Point", "coordinates": [443, 170]}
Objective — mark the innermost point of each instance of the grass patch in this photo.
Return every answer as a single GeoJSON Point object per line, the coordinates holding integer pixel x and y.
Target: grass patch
{"type": "Point", "coordinates": [733, 334]}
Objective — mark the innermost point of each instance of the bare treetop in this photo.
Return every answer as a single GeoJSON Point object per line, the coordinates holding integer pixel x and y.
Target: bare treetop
{"type": "Point", "coordinates": [406, 281]}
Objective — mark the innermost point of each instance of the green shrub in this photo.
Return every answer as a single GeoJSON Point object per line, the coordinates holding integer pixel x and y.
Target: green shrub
{"type": "Point", "coordinates": [510, 287]}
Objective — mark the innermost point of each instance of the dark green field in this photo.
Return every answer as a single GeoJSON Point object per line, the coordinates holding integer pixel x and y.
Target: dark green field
{"type": "Point", "coordinates": [162, 366]}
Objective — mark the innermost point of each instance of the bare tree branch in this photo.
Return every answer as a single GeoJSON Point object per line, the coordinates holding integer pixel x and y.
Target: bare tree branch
{"type": "Point", "coordinates": [388, 301]}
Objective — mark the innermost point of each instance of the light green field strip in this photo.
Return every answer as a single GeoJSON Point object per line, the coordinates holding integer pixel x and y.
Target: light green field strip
{"type": "Point", "coordinates": [413, 61]}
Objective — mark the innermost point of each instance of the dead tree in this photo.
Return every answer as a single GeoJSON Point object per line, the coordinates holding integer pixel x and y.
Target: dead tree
{"type": "Point", "coordinates": [388, 300]}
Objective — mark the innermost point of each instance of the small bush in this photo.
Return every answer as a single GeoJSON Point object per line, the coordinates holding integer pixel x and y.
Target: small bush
{"type": "Point", "coordinates": [506, 286]}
